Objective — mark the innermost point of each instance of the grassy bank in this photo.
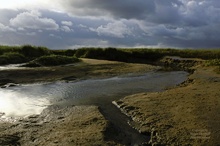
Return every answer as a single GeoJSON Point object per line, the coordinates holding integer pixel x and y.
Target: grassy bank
{"type": "Point", "coordinates": [16, 54]}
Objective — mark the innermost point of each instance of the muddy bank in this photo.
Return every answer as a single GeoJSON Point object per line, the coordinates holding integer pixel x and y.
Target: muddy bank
{"type": "Point", "coordinates": [178, 63]}
{"type": "Point", "coordinates": [88, 68]}
{"type": "Point", "coordinates": [185, 115]}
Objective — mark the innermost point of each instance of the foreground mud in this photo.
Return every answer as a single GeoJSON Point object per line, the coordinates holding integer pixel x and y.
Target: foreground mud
{"type": "Point", "coordinates": [56, 126]}
{"type": "Point", "coordinates": [185, 115]}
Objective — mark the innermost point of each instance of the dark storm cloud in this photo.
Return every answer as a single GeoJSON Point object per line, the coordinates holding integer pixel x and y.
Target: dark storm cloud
{"type": "Point", "coordinates": [128, 9]}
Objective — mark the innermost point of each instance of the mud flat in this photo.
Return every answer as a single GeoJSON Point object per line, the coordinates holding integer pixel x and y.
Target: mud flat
{"type": "Point", "coordinates": [184, 115]}
{"type": "Point", "coordinates": [69, 125]}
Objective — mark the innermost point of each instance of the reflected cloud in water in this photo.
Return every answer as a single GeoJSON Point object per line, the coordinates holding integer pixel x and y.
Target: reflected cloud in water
{"type": "Point", "coordinates": [13, 104]}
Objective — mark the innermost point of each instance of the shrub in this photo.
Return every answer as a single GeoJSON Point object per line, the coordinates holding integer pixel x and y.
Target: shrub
{"type": "Point", "coordinates": [12, 58]}
{"type": "Point", "coordinates": [68, 52]}
{"type": "Point", "coordinates": [80, 52]}
{"type": "Point", "coordinates": [34, 52]}
{"type": "Point", "coordinates": [52, 60]}
{"type": "Point", "coordinates": [3, 60]}
{"type": "Point", "coordinates": [94, 53]}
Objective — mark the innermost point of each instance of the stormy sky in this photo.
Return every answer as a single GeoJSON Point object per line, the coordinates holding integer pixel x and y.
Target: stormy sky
{"type": "Point", "coordinates": [68, 24]}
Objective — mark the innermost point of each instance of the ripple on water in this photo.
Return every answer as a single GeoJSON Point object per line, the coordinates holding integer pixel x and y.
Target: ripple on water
{"type": "Point", "coordinates": [31, 99]}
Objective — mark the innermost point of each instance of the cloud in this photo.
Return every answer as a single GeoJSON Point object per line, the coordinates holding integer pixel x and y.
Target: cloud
{"type": "Point", "coordinates": [66, 29]}
{"type": "Point", "coordinates": [4, 28]}
{"type": "Point", "coordinates": [66, 26]}
{"type": "Point", "coordinates": [55, 36]}
{"type": "Point", "coordinates": [128, 9]}
{"type": "Point", "coordinates": [29, 4]}
{"type": "Point", "coordinates": [33, 20]}
{"type": "Point", "coordinates": [31, 33]}
{"type": "Point", "coordinates": [67, 23]}
{"type": "Point", "coordinates": [116, 29]}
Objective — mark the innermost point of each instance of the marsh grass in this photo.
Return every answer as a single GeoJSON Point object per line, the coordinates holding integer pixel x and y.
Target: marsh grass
{"type": "Point", "coordinates": [28, 53]}
{"type": "Point", "coordinates": [144, 55]}
{"type": "Point", "coordinates": [213, 62]}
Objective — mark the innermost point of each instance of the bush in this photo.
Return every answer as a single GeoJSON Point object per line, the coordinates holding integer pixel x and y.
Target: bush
{"type": "Point", "coordinates": [52, 60]}
{"type": "Point", "coordinates": [94, 53]}
{"type": "Point", "coordinates": [80, 52]}
{"type": "Point", "coordinates": [68, 52]}
{"type": "Point", "coordinates": [3, 60]}
{"type": "Point", "coordinates": [12, 58]}
{"type": "Point", "coordinates": [34, 52]}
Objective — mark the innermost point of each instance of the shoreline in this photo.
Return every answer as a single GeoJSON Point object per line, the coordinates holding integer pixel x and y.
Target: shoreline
{"type": "Point", "coordinates": [87, 69]}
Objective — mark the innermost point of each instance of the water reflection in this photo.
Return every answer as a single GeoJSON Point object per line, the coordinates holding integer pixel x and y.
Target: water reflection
{"type": "Point", "coordinates": [12, 66]}
{"type": "Point", "coordinates": [15, 104]}
{"type": "Point", "coordinates": [33, 98]}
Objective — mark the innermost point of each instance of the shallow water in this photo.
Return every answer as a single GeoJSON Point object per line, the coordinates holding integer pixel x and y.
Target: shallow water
{"type": "Point", "coordinates": [30, 99]}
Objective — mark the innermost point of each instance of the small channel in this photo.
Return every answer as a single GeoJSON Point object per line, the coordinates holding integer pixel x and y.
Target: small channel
{"type": "Point", "coordinates": [31, 99]}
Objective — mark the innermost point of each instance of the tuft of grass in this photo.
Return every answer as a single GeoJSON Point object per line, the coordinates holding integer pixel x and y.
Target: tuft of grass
{"type": "Point", "coordinates": [52, 60]}
{"type": "Point", "coordinates": [213, 62]}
